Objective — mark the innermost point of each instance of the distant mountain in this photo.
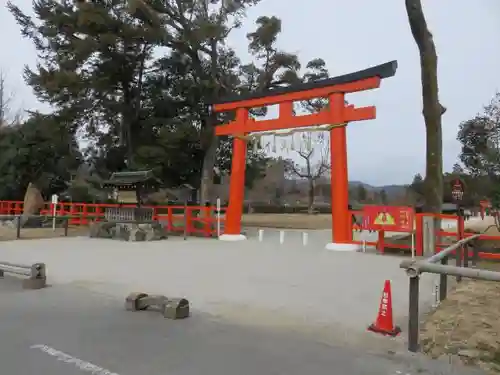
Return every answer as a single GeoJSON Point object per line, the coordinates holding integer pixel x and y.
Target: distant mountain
{"type": "Point", "coordinates": [391, 190]}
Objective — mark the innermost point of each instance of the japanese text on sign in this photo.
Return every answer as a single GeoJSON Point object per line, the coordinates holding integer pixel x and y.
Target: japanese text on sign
{"type": "Point", "coordinates": [383, 305]}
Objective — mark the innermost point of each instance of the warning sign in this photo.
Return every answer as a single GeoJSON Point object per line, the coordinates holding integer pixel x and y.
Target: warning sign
{"type": "Point", "coordinates": [457, 190]}
{"type": "Point", "coordinates": [388, 218]}
{"type": "Point", "coordinates": [384, 218]}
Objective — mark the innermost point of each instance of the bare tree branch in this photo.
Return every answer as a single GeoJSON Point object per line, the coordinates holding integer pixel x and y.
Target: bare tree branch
{"type": "Point", "coordinates": [295, 170]}
{"type": "Point", "coordinates": [8, 116]}
{"type": "Point", "coordinates": [305, 155]}
{"type": "Point", "coordinates": [313, 169]}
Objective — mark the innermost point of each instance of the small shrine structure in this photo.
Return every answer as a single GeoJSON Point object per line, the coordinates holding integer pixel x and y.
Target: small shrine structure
{"type": "Point", "coordinates": [129, 189]}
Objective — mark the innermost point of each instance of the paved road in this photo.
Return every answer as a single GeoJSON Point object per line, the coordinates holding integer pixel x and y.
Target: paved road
{"type": "Point", "coordinates": [289, 285]}
{"type": "Point", "coordinates": [67, 330]}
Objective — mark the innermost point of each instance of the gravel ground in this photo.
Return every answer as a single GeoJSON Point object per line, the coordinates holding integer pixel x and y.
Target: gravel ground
{"type": "Point", "coordinates": [69, 330]}
{"type": "Point", "coordinates": [332, 295]}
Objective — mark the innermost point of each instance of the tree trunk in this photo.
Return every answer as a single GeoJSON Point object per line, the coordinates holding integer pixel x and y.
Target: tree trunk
{"type": "Point", "coordinates": [207, 169]}
{"type": "Point", "coordinates": [310, 197]}
{"type": "Point", "coordinates": [432, 108]}
{"type": "Point", "coordinates": [210, 141]}
{"type": "Point", "coordinates": [127, 116]}
{"type": "Point", "coordinates": [130, 146]}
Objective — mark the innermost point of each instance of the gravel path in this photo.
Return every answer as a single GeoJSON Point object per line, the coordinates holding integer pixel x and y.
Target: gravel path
{"type": "Point", "coordinates": [330, 294]}
{"type": "Point", "coordinates": [68, 330]}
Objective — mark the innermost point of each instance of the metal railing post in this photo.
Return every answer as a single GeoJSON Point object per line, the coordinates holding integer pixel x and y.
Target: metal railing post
{"type": "Point", "coordinates": [458, 260]}
{"type": "Point", "coordinates": [443, 282]}
{"type": "Point", "coordinates": [66, 225]}
{"type": "Point", "coordinates": [414, 268]}
{"type": "Point", "coordinates": [413, 318]}
{"type": "Point", "coordinates": [18, 227]}
{"type": "Point", "coordinates": [475, 255]}
{"type": "Point", "coordinates": [466, 256]}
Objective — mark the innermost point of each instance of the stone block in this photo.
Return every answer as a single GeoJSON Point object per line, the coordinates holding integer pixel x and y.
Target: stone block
{"type": "Point", "coordinates": [176, 308]}
{"type": "Point", "coordinates": [101, 229]}
{"type": "Point", "coordinates": [122, 232]}
{"type": "Point", "coordinates": [171, 308]}
{"type": "Point", "coordinates": [128, 231]}
{"type": "Point", "coordinates": [137, 234]}
{"type": "Point", "coordinates": [35, 283]}
{"type": "Point", "coordinates": [33, 203]}
{"type": "Point", "coordinates": [133, 302]}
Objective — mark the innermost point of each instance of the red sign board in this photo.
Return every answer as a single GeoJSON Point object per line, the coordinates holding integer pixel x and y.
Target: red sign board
{"type": "Point", "coordinates": [388, 218]}
{"type": "Point", "coordinates": [457, 190]}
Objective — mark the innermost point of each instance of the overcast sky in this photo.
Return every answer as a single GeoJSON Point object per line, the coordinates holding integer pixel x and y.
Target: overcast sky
{"type": "Point", "coordinates": [353, 35]}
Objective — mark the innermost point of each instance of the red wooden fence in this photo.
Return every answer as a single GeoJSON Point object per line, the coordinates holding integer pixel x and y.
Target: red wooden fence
{"type": "Point", "coordinates": [381, 243]}
{"type": "Point", "coordinates": [203, 221]}
{"type": "Point", "coordinates": [196, 219]}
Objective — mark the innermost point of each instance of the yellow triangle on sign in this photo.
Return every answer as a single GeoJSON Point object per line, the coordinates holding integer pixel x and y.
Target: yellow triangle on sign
{"type": "Point", "coordinates": [384, 218]}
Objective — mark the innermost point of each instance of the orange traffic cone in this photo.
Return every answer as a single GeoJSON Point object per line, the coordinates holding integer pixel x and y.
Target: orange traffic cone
{"type": "Point", "coordinates": [384, 323]}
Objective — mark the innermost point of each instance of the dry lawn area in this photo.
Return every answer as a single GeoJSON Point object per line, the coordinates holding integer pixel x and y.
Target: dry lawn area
{"type": "Point", "coordinates": [324, 221]}
{"type": "Point", "coordinates": [288, 221]}
{"type": "Point", "coordinates": [8, 234]}
{"type": "Point", "coordinates": [467, 325]}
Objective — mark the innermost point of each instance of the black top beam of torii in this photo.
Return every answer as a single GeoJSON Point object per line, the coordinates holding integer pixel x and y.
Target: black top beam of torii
{"type": "Point", "coordinates": [386, 70]}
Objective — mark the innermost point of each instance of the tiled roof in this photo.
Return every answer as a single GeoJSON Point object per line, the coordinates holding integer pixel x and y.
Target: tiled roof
{"type": "Point", "coordinates": [129, 178]}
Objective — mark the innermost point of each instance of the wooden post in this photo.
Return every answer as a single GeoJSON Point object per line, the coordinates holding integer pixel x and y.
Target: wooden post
{"type": "Point", "coordinates": [84, 220]}
{"type": "Point", "coordinates": [170, 219]}
{"type": "Point", "coordinates": [381, 241]}
{"type": "Point", "coordinates": [18, 227]}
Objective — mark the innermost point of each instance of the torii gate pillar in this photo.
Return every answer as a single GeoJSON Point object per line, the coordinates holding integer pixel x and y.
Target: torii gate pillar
{"type": "Point", "coordinates": [338, 114]}
{"type": "Point", "coordinates": [339, 179]}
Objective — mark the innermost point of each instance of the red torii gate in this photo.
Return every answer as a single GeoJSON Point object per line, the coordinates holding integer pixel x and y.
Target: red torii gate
{"type": "Point", "coordinates": [338, 114]}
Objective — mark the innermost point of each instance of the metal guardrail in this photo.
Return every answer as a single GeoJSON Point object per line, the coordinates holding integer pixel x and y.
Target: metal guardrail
{"type": "Point", "coordinates": [414, 268]}
{"type": "Point", "coordinates": [35, 273]}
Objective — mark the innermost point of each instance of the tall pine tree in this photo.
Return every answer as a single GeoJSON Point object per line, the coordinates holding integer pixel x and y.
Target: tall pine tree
{"type": "Point", "coordinates": [93, 59]}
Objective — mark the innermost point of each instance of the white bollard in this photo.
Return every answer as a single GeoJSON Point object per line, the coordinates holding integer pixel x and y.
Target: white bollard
{"type": "Point", "coordinates": [261, 235]}
{"type": "Point", "coordinates": [305, 237]}
{"type": "Point", "coordinates": [365, 235]}
{"type": "Point", "coordinates": [282, 237]}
